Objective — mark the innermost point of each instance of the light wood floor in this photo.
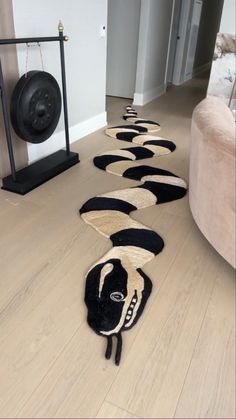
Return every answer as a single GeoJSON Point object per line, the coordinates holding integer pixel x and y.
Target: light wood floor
{"type": "Point", "coordinates": [178, 361]}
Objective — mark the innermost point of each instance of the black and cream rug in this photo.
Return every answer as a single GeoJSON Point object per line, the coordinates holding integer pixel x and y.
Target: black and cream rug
{"type": "Point", "coordinates": [117, 289]}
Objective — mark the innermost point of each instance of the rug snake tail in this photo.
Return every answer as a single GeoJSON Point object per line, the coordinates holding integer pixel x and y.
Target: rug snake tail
{"type": "Point", "coordinates": [116, 287]}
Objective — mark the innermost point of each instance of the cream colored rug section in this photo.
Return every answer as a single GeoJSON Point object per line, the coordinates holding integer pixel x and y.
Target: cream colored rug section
{"type": "Point", "coordinates": [157, 149]}
{"type": "Point", "coordinates": [142, 138]}
{"type": "Point", "coordinates": [170, 180]}
{"type": "Point", "coordinates": [118, 168]}
{"type": "Point", "coordinates": [130, 116]}
{"type": "Point", "coordinates": [137, 256]}
{"type": "Point", "coordinates": [108, 222]}
{"type": "Point", "coordinates": [150, 127]}
{"type": "Point", "coordinates": [140, 198]}
{"type": "Point", "coordinates": [112, 132]}
{"type": "Point", "coordinates": [121, 153]}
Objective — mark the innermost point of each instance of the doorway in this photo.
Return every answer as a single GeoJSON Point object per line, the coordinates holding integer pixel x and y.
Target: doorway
{"type": "Point", "coordinates": [122, 47]}
{"type": "Point", "coordinates": [195, 24]}
{"type": "Point", "coordinates": [173, 40]}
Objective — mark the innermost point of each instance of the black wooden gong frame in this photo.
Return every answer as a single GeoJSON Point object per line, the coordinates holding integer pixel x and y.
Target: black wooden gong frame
{"type": "Point", "coordinates": [28, 178]}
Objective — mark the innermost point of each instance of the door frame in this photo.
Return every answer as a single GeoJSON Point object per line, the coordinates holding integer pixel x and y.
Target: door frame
{"type": "Point", "coordinates": [11, 75]}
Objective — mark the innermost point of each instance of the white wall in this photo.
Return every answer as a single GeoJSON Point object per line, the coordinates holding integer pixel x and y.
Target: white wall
{"type": "Point", "coordinates": [154, 33]}
{"type": "Point", "coordinates": [228, 20]}
{"type": "Point", "coordinates": [85, 60]}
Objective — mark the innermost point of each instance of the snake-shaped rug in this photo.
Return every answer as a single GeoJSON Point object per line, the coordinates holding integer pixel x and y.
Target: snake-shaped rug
{"type": "Point", "coordinates": [117, 289]}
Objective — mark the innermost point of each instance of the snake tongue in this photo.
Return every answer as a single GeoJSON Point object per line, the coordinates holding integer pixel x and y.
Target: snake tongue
{"type": "Point", "coordinates": [108, 352]}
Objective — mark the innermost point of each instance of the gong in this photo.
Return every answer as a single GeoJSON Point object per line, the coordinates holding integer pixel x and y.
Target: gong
{"type": "Point", "coordinates": [35, 106]}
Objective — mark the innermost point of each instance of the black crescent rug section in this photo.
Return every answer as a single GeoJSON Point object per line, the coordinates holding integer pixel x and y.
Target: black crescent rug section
{"type": "Point", "coordinates": [117, 289]}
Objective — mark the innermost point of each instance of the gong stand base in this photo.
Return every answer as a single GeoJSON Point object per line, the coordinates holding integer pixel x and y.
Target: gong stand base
{"type": "Point", "coordinates": [24, 180]}
{"type": "Point", "coordinates": [39, 172]}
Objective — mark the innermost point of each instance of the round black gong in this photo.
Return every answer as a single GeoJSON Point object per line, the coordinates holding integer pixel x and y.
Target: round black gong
{"type": "Point", "coordinates": [35, 106]}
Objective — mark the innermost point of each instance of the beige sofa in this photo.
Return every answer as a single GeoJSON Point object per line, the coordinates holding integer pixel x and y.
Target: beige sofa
{"type": "Point", "coordinates": [212, 175]}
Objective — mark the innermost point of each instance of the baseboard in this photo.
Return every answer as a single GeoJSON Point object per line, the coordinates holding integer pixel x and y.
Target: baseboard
{"type": "Point", "coordinates": [141, 99]}
{"type": "Point", "coordinates": [202, 68]}
{"type": "Point", "coordinates": [198, 70]}
{"type": "Point", "coordinates": [57, 141]}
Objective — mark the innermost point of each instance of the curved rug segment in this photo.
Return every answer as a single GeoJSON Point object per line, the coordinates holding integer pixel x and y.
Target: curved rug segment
{"type": "Point", "coordinates": [116, 287]}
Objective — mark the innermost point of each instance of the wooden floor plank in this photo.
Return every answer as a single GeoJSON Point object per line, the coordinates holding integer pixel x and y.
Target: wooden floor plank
{"type": "Point", "coordinates": [209, 389]}
{"type": "Point", "coordinates": [76, 385]}
{"type": "Point", "coordinates": [108, 410]}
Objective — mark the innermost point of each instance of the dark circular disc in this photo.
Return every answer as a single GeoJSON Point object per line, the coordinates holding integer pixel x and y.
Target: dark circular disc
{"type": "Point", "coordinates": [35, 106]}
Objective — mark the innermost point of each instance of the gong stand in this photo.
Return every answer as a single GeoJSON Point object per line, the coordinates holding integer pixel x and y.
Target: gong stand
{"type": "Point", "coordinates": [28, 178]}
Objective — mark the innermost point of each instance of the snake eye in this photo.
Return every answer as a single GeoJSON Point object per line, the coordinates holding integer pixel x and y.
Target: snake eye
{"type": "Point", "coordinates": [117, 296]}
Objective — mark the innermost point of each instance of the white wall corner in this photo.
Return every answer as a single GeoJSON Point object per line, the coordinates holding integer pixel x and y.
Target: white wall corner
{"type": "Point", "coordinates": [57, 141]}
{"type": "Point", "coordinates": [141, 99]}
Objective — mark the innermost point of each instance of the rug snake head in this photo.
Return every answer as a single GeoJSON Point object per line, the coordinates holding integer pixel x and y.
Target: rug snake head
{"type": "Point", "coordinates": [115, 296]}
